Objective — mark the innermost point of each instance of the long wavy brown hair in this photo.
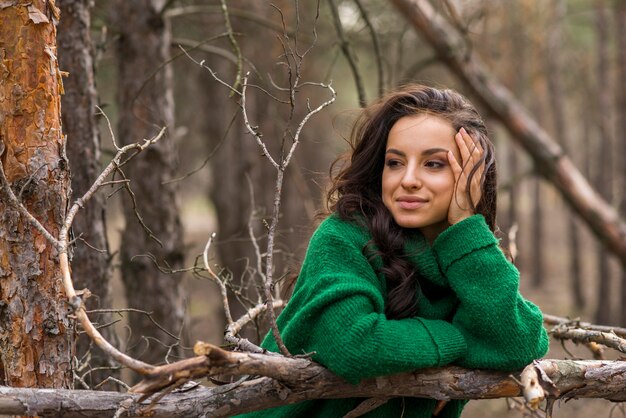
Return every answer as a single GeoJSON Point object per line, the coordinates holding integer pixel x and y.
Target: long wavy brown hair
{"type": "Point", "coordinates": [356, 190]}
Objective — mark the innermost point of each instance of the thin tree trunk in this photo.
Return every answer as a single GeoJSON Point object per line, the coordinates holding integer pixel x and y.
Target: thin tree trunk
{"type": "Point", "coordinates": [35, 331]}
{"type": "Point", "coordinates": [538, 225]}
{"type": "Point", "coordinates": [604, 312]}
{"type": "Point", "coordinates": [519, 83]}
{"type": "Point", "coordinates": [91, 266]}
{"type": "Point", "coordinates": [562, 134]}
{"type": "Point", "coordinates": [145, 106]}
{"type": "Point", "coordinates": [620, 106]}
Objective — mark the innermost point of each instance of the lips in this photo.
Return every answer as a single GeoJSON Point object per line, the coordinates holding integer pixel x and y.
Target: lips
{"type": "Point", "coordinates": [411, 202]}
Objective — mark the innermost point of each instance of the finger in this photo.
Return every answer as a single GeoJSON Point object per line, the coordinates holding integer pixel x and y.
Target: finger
{"type": "Point", "coordinates": [463, 149]}
{"type": "Point", "coordinates": [457, 170]}
{"type": "Point", "coordinates": [474, 146]}
{"type": "Point", "coordinates": [476, 155]}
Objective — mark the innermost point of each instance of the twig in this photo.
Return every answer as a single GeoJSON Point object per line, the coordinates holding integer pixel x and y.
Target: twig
{"type": "Point", "coordinates": [24, 212]}
{"type": "Point", "coordinates": [376, 44]}
{"type": "Point", "coordinates": [250, 128]}
{"type": "Point", "coordinates": [217, 280]}
{"type": "Point", "coordinates": [242, 14]}
{"type": "Point", "coordinates": [557, 320]}
{"type": "Point", "coordinates": [253, 239]}
{"type": "Point", "coordinates": [112, 379]}
{"type": "Point", "coordinates": [189, 43]}
{"type": "Point", "coordinates": [211, 154]}
{"type": "Point", "coordinates": [308, 116]}
{"type": "Point", "coordinates": [234, 44]}
{"type": "Point", "coordinates": [584, 336]}
{"type": "Point", "coordinates": [235, 327]}
{"type": "Point", "coordinates": [347, 52]}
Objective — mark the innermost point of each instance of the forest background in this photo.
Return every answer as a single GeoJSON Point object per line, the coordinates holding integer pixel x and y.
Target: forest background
{"type": "Point", "coordinates": [168, 63]}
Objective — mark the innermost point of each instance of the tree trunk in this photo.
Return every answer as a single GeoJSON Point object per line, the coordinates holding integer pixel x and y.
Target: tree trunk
{"type": "Point", "coordinates": [538, 258]}
{"type": "Point", "coordinates": [145, 106]}
{"type": "Point", "coordinates": [91, 267]}
{"type": "Point", "coordinates": [604, 314]}
{"type": "Point", "coordinates": [35, 331]}
{"type": "Point", "coordinates": [562, 134]}
{"type": "Point", "coordinates": [518, 82]}
{"type": "Point", "coordinates": [620, 106]}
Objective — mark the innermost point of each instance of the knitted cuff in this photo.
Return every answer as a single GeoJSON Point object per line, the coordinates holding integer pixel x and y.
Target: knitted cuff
{"type": "Point", "coordinates": [448, 339]}
{"type": "Point", "coordinates": [461, 239]}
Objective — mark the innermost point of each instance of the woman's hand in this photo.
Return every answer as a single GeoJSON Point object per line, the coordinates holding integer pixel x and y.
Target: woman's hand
{"type": "Point", "coordinates": [471, 153]}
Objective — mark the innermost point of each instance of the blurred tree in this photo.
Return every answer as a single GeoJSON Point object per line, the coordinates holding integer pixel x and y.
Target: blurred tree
{"type": "Point", "coordinates": [153, 231]}
{"type": "Point", "coordinates": [604, 311]}
{"type": "Point", "coordinates": [619, 13]}
{"type": "Point", "coordinates": [562, 133]}
{"type": "Point", "coordinates": [35, 329]}
{"type": "Point", "coordinates": [91, 265]}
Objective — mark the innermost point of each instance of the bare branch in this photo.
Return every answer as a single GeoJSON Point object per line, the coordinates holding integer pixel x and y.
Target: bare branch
{"type": "Point", "coordinates": [575, 323]}
{"type": "Point", "coordinates": [307, 117]}
{"type": "Point", "coordinates": [235, 327]}
{"type": "Point", "coordinates": [24, 212]}
{"type": "Point", "coordinates": [348, 53]}
{"type": "Point", "coordinates": [585, 336]}
{"type": "Point", "coordinates": [250, 128]}
{"type": "Point", "coordinates": [376, 44]}
{"type": "Point", "coordinates": [234, 44]}
{"type": "Point", "coordinates": [191, 44]}
{"type": "Point", "coordinates": [217, 280]}
{"type": "Point", "coordinates": [243, 14]}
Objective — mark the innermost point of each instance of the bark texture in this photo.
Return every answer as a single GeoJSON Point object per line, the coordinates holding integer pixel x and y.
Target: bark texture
{"type": "Point", "coordinates": [548, 156]}
{"type": "Point", "coordinates": [564, 379]}
{"type": "Point", "coordinates": [145, 106]}
{"type": "Point", "coordinates": [35, 332]}
{"type": "Point", "coordinates": [91, 267]}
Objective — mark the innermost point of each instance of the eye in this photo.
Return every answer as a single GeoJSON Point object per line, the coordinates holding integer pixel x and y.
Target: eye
{"type": "Point", "coordinates": [435, 164]}
{"type": "Point", "coordinates": [392, 163]}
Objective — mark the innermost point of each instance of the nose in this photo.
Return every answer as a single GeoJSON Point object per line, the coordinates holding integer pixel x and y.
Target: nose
{"type": "Point", "coordinates": [411, 179]}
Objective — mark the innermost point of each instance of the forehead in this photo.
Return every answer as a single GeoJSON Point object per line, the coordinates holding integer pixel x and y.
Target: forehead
{"type": "Point", "coordinates": [421, 131]}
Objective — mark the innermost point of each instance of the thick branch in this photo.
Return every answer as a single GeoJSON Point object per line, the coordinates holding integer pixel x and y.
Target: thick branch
{"type": "Point", "coordinates": [569, 379]}
{"type": "Point", "coordinates": [549, 158]}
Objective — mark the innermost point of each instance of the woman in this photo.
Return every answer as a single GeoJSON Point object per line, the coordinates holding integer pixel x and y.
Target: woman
{"type": "Point", "coordinates": [406, 273]}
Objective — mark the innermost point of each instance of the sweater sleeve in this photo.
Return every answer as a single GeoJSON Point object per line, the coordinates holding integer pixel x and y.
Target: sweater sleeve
{"type": "Point", "coordinates": [501, 329]}
{"type": "Point", "coordinates": [337, 312]}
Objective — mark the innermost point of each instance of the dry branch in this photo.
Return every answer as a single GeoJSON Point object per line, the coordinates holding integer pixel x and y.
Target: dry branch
{"type": "Point", "coordinates": [304, 380]}
{"type": "Point", "coordinates": [549, 158]}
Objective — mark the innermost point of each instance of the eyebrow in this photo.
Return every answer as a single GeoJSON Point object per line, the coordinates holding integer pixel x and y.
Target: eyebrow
{"type": "Point", "coordinates": [425, 153]}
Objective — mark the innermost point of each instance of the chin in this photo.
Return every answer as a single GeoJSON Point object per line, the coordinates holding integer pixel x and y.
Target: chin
{"type": "Point", "coordinates": [407, 222]}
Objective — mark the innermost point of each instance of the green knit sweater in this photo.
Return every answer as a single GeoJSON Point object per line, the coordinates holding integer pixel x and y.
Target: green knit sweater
{"type": "Point", "coordinates": [477, 320]}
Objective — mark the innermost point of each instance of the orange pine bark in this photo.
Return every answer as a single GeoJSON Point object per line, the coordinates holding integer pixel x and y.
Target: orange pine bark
{"type": "Point", "coordinates": [35, 331]}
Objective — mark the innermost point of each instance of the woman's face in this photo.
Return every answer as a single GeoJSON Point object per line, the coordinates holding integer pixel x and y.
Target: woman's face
{"type": "Point", "coordinates": [417, 181]}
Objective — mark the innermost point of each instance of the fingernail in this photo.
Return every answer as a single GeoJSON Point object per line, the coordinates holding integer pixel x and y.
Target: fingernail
{"type": "Point", "coordinates": [462, 130]}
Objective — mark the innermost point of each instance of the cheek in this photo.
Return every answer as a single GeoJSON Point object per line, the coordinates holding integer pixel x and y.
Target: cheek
{"type": "Point", "coordinates": [387, 183]}
{"type": "Point", "coordinates": [444, 185]}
